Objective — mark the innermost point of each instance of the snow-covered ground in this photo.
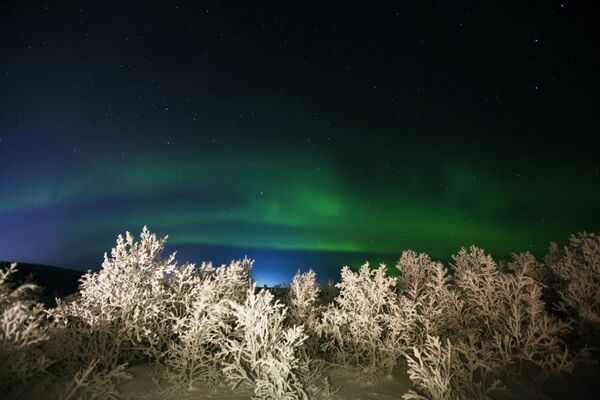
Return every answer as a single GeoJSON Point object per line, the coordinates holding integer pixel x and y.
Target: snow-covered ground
{"type": "Point", "coordinates": [142, 386]}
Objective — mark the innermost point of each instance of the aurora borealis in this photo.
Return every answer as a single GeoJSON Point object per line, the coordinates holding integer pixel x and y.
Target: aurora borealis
{"type": "Point", "coordinates": [302, 136]}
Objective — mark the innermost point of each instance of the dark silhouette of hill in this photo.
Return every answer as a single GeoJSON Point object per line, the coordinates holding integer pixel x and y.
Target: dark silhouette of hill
{"type": "Point", "coordinates": [53, 281]}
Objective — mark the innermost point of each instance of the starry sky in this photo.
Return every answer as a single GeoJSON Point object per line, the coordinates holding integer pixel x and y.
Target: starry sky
{"type": "Point", "coordinates": [300, 134]}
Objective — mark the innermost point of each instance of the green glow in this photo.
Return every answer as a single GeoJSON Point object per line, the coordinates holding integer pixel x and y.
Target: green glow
{"type": "Point", "coordinates": [307, 203]}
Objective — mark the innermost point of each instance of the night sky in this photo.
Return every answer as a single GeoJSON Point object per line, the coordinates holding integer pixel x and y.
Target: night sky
{"type": "Point", "coordinates": [303, 135]}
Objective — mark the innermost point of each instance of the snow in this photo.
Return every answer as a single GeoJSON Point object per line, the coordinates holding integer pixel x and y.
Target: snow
{"type": "Point", "coordinates": [350, 386]}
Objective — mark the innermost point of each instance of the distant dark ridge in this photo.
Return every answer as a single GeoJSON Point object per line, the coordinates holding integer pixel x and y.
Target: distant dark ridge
{"type": "Point", "coordinates": [53, 281]}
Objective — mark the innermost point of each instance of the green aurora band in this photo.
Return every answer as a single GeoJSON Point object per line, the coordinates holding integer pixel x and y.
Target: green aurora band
{"type": "Point", "coordinates": [308, 202]}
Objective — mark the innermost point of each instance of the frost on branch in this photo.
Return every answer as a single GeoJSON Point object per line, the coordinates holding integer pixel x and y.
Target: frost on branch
{"type": "Point", "coordinates": [201, 319]}
{"type": "Point", "coordinates": [233, 281]}
{"type": "Point", "coordinates": [303, 299]}
{"type": "Point", "coordinates": [577, 269]}
{"type": "Point", "coordinates": [357, 330]}
{"type": "Point", "coordinates": [500, 324]}
{"type": "Point", "coordinates": [428, 303]}
{"type": "Point", "coordinates": [120, 313]}
{"type": "Point", "coordinates": [526, 264]}
{"type": "Point", "coordinates": [443, 371]}
{"type": "Point", "coordinates": [261, 351]}
{"type": "Point", "coordinates": [22, 333]}
{"type": "Point", "coordinates": [460, 330]}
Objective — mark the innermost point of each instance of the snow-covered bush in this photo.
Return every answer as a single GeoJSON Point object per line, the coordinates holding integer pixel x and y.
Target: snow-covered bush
{"type": "Point", "coordinates": [119, 314]}
{"type": "Point", "coordinates": [358, 330]}
{"type": "Point", "coordinates": [479, 324]}
{"type": "Point", "coordinates": [506, 313]}
{"type": "Point", "coordinates": [443, 371]}
{"type": "Point", "coordinates": [446, 358]}
{"type": "Point", "coordinates": [232, 281]}
{"type": "Point", "coordinates": [201, 318]}
{"type": "Point", "coordinates": [460, 329]}
{"type": "Point", "coordinates": [123, 305]}
{"type": "Point", "coordinates": [577, 269]}
{"type": "Point", "coordinates": [74, 343]}
{"type": "Point", "coordinates": [526, 264]}
{"type": "Point", "coordinates": [22, 333]}
{"type": "Point", "coordinates": [303, 299]}
{"type": "Point", "coordinates": [429, 305]}
{"type": "Point", "coordinates": [261, 351]}
{"type": "Point", "coordinates": [525, 330]}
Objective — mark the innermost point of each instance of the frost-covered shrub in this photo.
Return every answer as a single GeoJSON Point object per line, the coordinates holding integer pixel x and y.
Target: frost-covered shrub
{"type": "Point", "coordinates": [128, 296]}
{"type": "Point", "coordinates": [459, 332]}
{"type": "Point", "coordinates": [193, 356]}
{"type": "Point", "coordinates": [261, 351]}
{"type": "Point", "coordinates": [478, 280]}
{"type": "Point", "coordinates": [525, 331]}
{"type": "Point", "coordinates": [303, 299]}
{"type": "Point", "coordinates": [428, 303]}
{"type": "Point", "coordinates": [232, 281]}
{"type": "Point", "coordinates": [140, 305]}
{"type": "Point", "coordinates": [304, 308]}
{"type": "Point", "coordinates": [76, 342]}
{"type": "Point", "coordinates": [22, 333]}
{"type": "Point", "coordinates": [510, 311]}
{"type": "Point", "coordinates": [358, 330]}
{"type": "Point", "coordinates": [225, 330]}
{"type": "Point", "coordinates": [577, 269]}
{"type": "Point", "coordinates": [443, 371]}
{"type": "Point", "coordinates": [507, 314]}
{"type": "Point", "coordinates": [119, 314]}
{"type": "Point", "coordinates": [415, 271]}
{"type": "Point", "coordinates": [526, 264]}
{"type": "Point", "coordinates": [446, 358]}
{"type": "Point", "coordinates": [504, 320]}
{"type": "Point", "coordinates": [479, 325]}
{"type": "Point", "coordinates": [201, 318]}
